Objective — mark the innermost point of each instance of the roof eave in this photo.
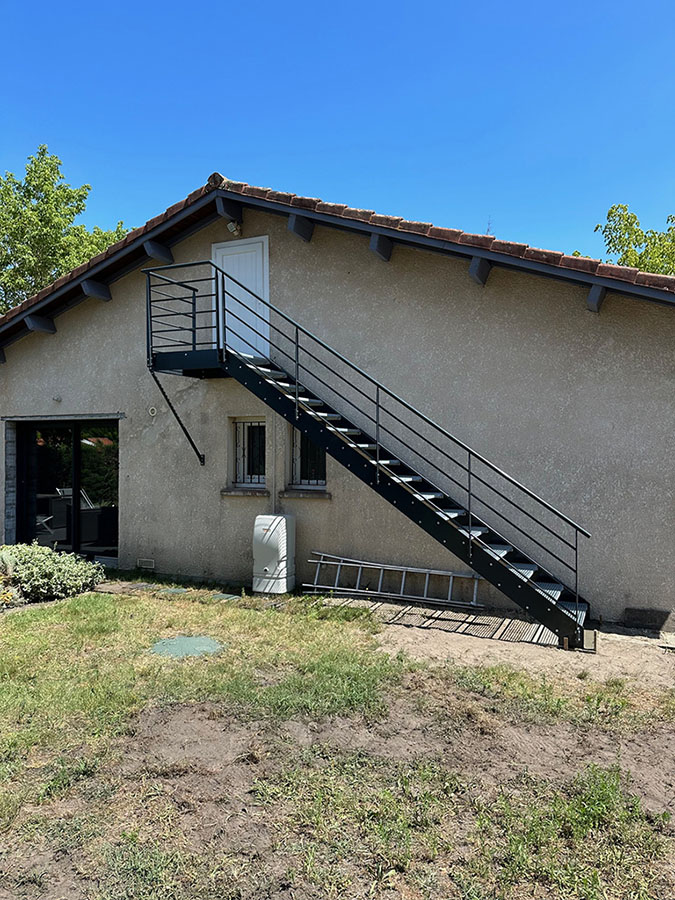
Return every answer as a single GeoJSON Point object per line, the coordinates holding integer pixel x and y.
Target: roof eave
{"type": "Point", "coordinates": [464, 251]}
{"type": "Point", "coordinates": [132, 256]}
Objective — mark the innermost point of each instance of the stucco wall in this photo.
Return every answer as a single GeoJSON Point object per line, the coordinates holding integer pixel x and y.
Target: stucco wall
{"type": "Point", "coordinates": [575, 405]}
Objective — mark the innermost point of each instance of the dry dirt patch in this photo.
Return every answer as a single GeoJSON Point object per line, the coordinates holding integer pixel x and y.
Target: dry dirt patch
{"type": "Point", "coordinates": [636, 658]}
{"type": "Point", "coordinates": [186, 776]}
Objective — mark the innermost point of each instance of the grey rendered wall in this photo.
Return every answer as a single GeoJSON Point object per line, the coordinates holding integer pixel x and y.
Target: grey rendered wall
{"type": "Point", "coordinates": [577, 406]}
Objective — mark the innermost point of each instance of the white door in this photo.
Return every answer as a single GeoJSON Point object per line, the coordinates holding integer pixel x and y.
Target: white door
{"type": "Point", "coordinates": [247, 318]}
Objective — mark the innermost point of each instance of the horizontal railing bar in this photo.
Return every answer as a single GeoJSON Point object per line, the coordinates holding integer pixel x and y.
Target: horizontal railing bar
{"type": "Point", "coordinates": [186, 313]}
{"type": "Point", "coordinates": [519, 529]}
{"type": "Point", "coordinates": [165, 278]}
{"type": "Point", "coordinates": [181, 328]}
{"type": "Point", "coordinates": [166, 296]}
{"type": "Point", "coordinates": [192, 280]}
{"type": "Point", "coordinates": [174, 341]}
{"type": "Point", "coordinates": [163, 311]}
{"type": "Point", "coordinates": [525, 512]}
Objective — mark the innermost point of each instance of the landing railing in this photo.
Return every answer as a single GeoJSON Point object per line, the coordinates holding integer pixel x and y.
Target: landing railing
{"type": "Point", "coordinates": [198, 306]}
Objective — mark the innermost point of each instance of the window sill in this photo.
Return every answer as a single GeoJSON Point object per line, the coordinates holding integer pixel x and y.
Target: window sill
{"type": "Point", "coordinates": [300, 493]}
{"type": "Point", "coordinates": [244, 492]}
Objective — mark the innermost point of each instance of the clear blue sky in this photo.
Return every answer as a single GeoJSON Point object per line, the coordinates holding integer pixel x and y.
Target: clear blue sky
{"type": "Point", "coordinates": [534, 116]}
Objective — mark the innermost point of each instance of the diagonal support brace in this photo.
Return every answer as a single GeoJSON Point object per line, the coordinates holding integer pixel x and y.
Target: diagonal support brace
{"type": "Point", "coordinates": [200, 456]}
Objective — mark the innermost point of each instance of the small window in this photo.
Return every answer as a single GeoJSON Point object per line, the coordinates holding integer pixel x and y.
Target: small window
{"type": "Point", "coordinates": [249, 443]}
{"type": "Point", "coordinates": [309, 462]}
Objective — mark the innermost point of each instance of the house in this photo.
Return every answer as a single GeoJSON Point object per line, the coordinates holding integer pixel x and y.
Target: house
{"type": "Point", "coordinates": [412, 394]}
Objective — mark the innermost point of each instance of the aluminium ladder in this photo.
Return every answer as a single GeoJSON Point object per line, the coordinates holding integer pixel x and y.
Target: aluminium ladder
{"type": "Point", "coordinates": [355, 570]}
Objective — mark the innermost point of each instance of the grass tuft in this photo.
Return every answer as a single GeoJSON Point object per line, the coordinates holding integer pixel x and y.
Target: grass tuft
{"type": "Point", "coordinates": [586, 840]}
{"type": "Point", "coordinates": [608, 704]}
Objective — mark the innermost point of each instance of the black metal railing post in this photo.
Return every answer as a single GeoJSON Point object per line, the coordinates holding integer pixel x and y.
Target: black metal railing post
{"type": "Point", "coordinates": [297, 368]}
{"type": "Point", "coordinates": [377, 432]}
{"type": "Point", "coordinates": [148, 307]}
{"type": "Point", "coordinates": [468, 469]}
{"type": "Point", "coordinates": [194, 318]}
{"type": "Point", "coordinates": [222, 313]}
{"type": "Point", "coordinates": [576, 575]}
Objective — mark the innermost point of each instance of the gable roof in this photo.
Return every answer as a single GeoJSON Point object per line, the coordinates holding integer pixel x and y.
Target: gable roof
{"type": "Point", "coordinates": [201, 207]}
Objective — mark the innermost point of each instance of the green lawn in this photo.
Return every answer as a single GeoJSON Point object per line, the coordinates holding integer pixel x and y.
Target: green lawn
{"type": "Point", "coordinates": [329, 797]}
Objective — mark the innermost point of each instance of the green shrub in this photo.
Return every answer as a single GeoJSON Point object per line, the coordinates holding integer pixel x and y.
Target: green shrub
{"type": "Point", "coordinates": [39, 573]}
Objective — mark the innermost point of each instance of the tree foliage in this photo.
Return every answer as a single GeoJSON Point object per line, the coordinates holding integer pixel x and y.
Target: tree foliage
{"type": "Point", "coordinates": [650, 251]}
{"type": "Point", "coordinates": [39, 240]}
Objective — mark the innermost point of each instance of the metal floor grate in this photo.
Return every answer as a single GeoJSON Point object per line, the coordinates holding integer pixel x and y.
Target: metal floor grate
{"type": "Point", "coordinates": [493, 626]}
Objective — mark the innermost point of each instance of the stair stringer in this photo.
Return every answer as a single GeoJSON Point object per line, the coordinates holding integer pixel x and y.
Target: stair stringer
{"type": "Point", "coordinates": [448, 535]}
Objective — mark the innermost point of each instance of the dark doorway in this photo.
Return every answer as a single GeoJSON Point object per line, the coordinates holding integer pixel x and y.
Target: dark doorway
{"type": "Point", "coordinates": [59, 461]}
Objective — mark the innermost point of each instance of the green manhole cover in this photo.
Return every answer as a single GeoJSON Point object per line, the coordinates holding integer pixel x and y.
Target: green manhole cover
{"type": "Point", "coordinates": [174, 591]}
{"type": "Point", "coordinates": [186, 646]}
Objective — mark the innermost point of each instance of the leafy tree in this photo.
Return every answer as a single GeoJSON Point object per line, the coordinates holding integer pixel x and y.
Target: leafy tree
{"type": "Point", "coordinates": [651, 251]}
{"type": "Point", "coordinates": [38, 238]}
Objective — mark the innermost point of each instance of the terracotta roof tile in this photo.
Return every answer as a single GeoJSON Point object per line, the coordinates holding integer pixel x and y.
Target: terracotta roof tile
{"type": "Point", "coordinates": [582, 263]}
{"type": "Point", "coordinates": [363, 215]}
{"type": "Point", "coordinates": [262, 193]}
{"type": "Point", "coordinates": [280, 197]}
{"type": "Point", "coordinates": [625, 273]}
{"type": "Point", "coordinates": [385, 221]}
{"type": "Point", "coordinates": [552, 257]}
{"type": "Point", "coordinates": [445, 234]}
{"type": "Point", "coordinates": [417, 227]}
{"type": "Point", "coordinates": [216, 181]}
{"type": "Point", "coordinates": [477, 240]}
{"type": "Point", "coordinates": [510, 248]}
{"type": "Point", "coordinates": [236, 186]}
{"type": "Point", "coordinates": [651, 279]}
{"type": "Point", "coordinates": [334, 209]}
{"type": "Point", "coordinates": [305, 202]}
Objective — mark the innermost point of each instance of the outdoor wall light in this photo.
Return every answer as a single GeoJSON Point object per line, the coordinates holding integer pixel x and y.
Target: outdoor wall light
{"type": "Point", "coordinates": [234, 227]}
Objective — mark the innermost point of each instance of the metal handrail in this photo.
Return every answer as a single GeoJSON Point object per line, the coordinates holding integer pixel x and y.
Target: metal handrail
{"type": "Point", "coordinates": [379, 385]}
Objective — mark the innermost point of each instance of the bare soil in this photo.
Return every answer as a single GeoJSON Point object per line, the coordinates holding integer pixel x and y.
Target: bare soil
{"type": "Point", "coordinates": [635, 657]}
{"type": "Point", "coordinates": [188, 772]}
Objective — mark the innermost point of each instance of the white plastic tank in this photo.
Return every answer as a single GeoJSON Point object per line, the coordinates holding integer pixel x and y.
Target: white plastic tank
{"type": "Point", "coordinates": [274, 554]}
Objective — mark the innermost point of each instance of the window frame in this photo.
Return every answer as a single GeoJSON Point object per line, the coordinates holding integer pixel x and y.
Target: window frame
{"type": "Point", "coordinates": [296, 480]}
{"type": "Point", "coordinates": [241, 476]}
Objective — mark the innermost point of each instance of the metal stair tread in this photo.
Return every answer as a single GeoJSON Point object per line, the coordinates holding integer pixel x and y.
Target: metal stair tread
{"type": "Point", "coordinates": [452, 513]}
{"type": "Point", "coordinates": [551, 588]}
{"type": "Point", "coordinates": [498, 550]}
{"type": "Point", "coordinates": [475, 531]}
{"type": "Point", "coordinates": [526, 570]}
{"type": "Point", "coordinates": [577, 612]}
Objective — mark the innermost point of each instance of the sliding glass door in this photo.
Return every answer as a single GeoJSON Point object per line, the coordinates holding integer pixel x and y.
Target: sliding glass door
{"type": "Point", "coordinates": [60, 461]}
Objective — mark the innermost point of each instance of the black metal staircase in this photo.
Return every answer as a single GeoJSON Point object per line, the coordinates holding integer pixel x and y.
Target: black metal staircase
{"type": "Point", "coordinates": [204, 323]}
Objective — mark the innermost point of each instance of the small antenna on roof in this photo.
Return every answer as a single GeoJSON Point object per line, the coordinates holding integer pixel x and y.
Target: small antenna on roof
{"type": "Point", "coordinates": [488, 227]}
